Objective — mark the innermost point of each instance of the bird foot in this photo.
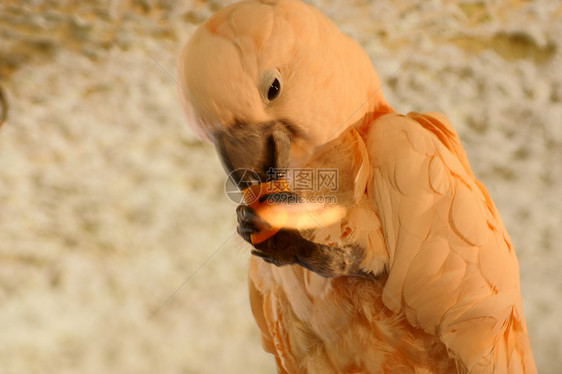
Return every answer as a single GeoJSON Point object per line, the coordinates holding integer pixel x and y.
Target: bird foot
{"type": "Point", "coordinates": [288, 247]}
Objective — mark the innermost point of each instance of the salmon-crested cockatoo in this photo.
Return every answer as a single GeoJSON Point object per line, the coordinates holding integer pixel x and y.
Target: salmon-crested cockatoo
{"type": "Point", "coordinates": [409, 268]}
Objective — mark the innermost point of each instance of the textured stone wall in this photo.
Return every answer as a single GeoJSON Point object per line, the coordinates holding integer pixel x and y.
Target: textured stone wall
{"type": "Point", "coordinates": [108, 203]}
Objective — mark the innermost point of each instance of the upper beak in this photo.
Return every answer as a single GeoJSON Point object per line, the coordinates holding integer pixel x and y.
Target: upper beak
{"type": "Point", "coordinates": [262, 148]}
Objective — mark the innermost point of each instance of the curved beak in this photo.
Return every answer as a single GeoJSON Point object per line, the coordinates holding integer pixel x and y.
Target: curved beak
{"type": "Point", "coordinates": [262, 148]}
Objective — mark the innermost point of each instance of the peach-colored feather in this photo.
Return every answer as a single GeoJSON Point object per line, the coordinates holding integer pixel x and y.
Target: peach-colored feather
{"type": "Point", "coordinates": [451, 300]}
{"type": "Point", "coordinates": [446, 296]}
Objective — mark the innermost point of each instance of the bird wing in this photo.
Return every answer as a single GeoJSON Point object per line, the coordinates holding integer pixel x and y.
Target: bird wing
{"type": "Point", "coordinates": [452, 268]}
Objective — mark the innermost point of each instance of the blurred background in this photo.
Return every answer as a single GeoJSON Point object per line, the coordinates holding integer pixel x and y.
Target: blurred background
{"type": "Point", "coordinates": [109, 204]}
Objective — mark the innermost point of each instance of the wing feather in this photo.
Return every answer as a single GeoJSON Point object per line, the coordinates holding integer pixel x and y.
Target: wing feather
{"type": "Point", "coordinates": [452, 268]}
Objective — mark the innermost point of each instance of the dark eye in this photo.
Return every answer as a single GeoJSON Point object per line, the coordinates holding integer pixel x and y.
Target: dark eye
{"type": "Point", "coordinates": [274, 89]}
{"type": "Point", "coordinates": [270, 86]}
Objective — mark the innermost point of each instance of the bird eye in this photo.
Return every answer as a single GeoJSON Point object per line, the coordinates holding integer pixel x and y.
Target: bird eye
{"type": "Point", "coordinates": [271, 85]}
{"type": "Point", "coordinates": [274, 89]}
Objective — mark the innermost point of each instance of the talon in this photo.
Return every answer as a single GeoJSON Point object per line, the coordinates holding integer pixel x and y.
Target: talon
{"type": "Point", "coordinates": [259, 254]}
{"type": "Point", "coordinates": [265, 257]}
{"type": "Point", "coordinates": [248, 216]}
{"type": "Point", "coordinates": [270, 259]}
{"type": "Point", "coordinates": [245, 233]}
{"type": "Point", "coordinates": [241, 213]}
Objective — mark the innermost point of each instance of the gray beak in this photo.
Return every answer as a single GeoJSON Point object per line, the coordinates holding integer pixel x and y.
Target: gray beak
{"type": "Point", "coordinates": [257, 147]}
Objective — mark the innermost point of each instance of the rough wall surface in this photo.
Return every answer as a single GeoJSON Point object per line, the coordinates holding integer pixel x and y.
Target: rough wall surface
{"type": "Point", "coordinates": [108, 203]}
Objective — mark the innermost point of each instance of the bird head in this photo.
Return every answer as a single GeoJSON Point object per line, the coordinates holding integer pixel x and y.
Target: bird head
{"type": "Point", "coordinates": [270, 82]}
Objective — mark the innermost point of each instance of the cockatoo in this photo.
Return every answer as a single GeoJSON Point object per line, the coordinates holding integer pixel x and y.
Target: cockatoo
{"type": "Point", "coordinates": [415, 273]}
